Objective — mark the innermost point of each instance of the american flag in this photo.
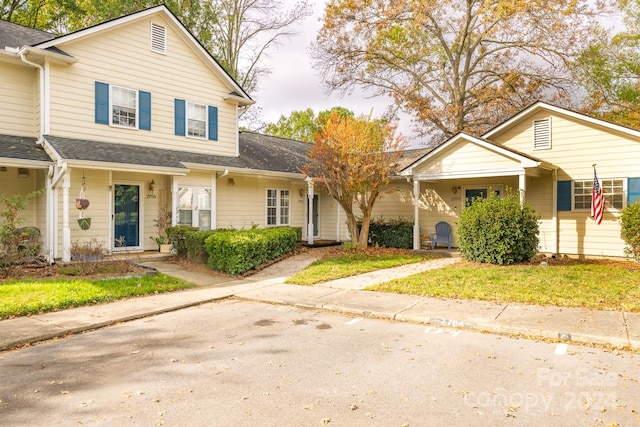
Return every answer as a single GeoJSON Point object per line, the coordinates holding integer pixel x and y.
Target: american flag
{"type": "Point", "coordinates": [597, 199]}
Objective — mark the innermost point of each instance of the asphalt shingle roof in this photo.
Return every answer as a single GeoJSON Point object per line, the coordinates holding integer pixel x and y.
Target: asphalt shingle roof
{"type": "Point", "coordinates": [23, 148]}
{"type": "Point", "coordinates": [257, 152]}
{"type": "Point", "coordinates": [14, 35]}
{"type": "Point", "coordinates": [271, 153]}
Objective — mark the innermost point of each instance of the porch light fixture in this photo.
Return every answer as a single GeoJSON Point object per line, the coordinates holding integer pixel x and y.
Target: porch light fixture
{"type": "Point", "coordinates": [231, 182]}
{"type": "Point", "coordinates": [152, 186]}
{"type": "Point", "coordinates": [23, 173]}
{"type": "Point", "coordinates": [455, 189]}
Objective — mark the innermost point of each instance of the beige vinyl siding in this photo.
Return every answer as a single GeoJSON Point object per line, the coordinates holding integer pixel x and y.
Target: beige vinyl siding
{"type": "Point", "coordinates": [576, 146]}
{"type": "Point", "coordinates": [466, 157]}
{"type": "Point", "coordinates": [243, 204]}
{"type": "Point", "coordinates": [122, 57]}
{"type": "Point", "coordinates": [12, 185]}
{"type": "Point", "coordinates": [19, 101]}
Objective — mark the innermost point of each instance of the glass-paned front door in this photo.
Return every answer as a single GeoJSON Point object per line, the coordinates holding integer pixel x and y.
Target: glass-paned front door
{"type": "Point", "coordinates": [126, 218]}
{"type": "Point", "coordinates": [315, 216]}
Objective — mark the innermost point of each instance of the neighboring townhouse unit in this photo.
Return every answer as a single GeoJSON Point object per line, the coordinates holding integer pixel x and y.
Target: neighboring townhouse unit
{"type": "Point", "coordinates": [548, 154]}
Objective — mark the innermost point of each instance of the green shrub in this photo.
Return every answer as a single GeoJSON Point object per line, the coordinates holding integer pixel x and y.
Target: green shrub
{"type": "Point", "coordinates": [195, 242]}
{"type": "Point", "coordinates": [237, 251]}
{"type": "Point", "coordinates": [177, 238]}
{"type": "Point", "coordinates": [630, 230]}
{"type": "Point", "coordinates": [391, 233]}
{"type": "Point", "coordinates": [497, 230]}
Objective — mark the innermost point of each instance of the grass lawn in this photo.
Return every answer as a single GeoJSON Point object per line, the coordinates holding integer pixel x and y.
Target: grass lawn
{"type": "Point", "coordinates": [601, 285]}
{"type": "Point", "coordinates": [24, 297]}
{"type": "Point", "coordinates": [339, 266]}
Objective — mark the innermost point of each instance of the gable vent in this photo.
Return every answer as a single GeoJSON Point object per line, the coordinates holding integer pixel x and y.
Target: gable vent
{"type": "Point", "coordinates": [542, 134]}
{"type": "Point", "coordinates": [158, 38]}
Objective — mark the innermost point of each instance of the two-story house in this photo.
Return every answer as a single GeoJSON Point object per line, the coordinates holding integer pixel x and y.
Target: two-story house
{"type": "Point", "coordinates": [130, 114]}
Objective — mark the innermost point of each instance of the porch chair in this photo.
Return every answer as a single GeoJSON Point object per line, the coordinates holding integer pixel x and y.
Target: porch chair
{"type": "Point", "coordinates": [442, 234]}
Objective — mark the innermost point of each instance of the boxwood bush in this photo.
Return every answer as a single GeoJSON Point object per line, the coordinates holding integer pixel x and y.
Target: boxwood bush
{"type": "Point", "coordinates": [237, 251]}
{"type": "Point", "coordinates": [630, 229]}
{"type": "Point", "coordinates": [497, 230]}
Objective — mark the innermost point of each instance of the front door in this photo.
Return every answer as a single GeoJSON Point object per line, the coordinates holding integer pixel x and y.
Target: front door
{"type": "Point", "coordinates": [126, 217]}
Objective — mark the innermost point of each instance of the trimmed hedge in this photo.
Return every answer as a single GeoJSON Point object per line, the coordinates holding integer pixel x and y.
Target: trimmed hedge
{"type": "Point", "coordinates": [196, 248]}
{"type": "Point", "coordinates": [237, 251]}
{"type": "Point", "coordinates": [497, 230]}
{"type": "Point", "coordinates": [391, 233]}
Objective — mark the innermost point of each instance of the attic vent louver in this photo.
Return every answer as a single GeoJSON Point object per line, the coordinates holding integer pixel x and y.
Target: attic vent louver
{"type": "Point", "coordinates": [158, 38]}
{"type": "Point", "coordinates": [542, 134]}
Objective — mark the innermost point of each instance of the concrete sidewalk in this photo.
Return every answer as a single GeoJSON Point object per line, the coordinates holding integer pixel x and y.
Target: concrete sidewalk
{"type": "Point", "coordinates": [345, 296]}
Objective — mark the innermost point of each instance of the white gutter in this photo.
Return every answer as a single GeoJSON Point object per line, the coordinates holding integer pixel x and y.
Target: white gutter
{"type": "Point", "coordinates": [23, 56]}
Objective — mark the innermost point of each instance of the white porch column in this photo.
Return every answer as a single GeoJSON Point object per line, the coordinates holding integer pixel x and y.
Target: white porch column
{"type": "Point", "coordinates": [522, 184]}
{"type": "Point", "coordinates": [310, 210]}
{"type": "Point", "coordinates": [416, 215]}
{"type": "Point", "coordinates": [66, 231]}
{"type": "Point", "coordinates": [214, 201]}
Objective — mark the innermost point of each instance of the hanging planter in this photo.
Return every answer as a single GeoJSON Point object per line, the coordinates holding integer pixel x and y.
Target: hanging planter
{"type": "Point", "coordinates": [81, 205]}
{"type": "Point", "coordinates": [84, 223]}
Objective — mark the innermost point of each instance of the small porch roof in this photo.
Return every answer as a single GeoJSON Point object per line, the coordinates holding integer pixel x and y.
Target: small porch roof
{"type": "Point", "coordinates": [19, 151]}
{"type": "Point", "coordinates": [483, 159]}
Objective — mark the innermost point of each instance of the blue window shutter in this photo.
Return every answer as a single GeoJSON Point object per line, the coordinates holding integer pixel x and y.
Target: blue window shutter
{"type": "Point", "coordinates": [102, 103]}
{"type": "Point", "coordinates": [213, 123]}
{"type": "Point", "coordinates": [179, 117]}
{"type": "Point", "coordinates": [564, 195]}
{"type": "Point", "coordinates": [633, 190]}
{"type": "Point", "coordinates": [144, 103]}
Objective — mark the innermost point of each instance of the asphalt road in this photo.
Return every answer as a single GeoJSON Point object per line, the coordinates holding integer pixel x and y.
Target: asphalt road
{"type": "Point", "coordinates": [236, 363]}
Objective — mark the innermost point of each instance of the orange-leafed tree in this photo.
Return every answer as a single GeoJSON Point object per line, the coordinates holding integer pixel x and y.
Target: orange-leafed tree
{"type": "Point", "coordinates": [354, 158]}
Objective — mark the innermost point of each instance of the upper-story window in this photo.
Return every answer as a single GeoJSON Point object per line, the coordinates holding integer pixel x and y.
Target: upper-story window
{"type": "Point", "coordinates": [158, 38]}
{"type": "Point", "coordinates": [124, 107]}
{"type": "Point", "coordinates": [196, 120]}
{"type": "Point", "coordinates": [542, 134]}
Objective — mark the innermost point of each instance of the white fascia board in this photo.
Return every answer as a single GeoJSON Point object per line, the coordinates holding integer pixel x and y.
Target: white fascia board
{"type": "Point", "coordinates": [244, 171]}
{"type": "Point", "coordinates": [541, 106]}
{"type": "Point", "coordinates": [121, 167]}
{"type": "Point", "coordinates": [435, 176]}
{"type": "Point", "coordinates": [238, 100]}
{"type": "Point", "coordinates": [22, 163]}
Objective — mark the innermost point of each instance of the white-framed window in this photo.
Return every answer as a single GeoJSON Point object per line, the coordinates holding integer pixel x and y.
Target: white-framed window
{"type": "Point", "coordinates": [542, 134]}
{"type": "Point", "coordinates": [124, 107]}
{"type": "Point", "coordinates": [278, 207]}
{"type": "Point", "coordinates": [613, 190]}
{"type": "Point", "coordinates": [158, 38]}
{"type": "Point", "coordinates": [194, 207]}
{"type": "Point", "coordinates": [196, 120]}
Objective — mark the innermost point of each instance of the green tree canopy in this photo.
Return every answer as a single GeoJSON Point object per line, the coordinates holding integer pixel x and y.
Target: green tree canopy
{"type": "Point", "coordinates": [303, 125]}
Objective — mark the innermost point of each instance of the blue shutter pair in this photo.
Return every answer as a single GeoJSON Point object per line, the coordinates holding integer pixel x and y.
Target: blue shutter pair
{"type": "Point", "coordinates": [102, 106]}
{"type": "Point", "coordinates": [180, 119]}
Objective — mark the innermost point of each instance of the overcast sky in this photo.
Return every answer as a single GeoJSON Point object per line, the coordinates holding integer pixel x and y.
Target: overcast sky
{"type": "Point", "coordinates": [294, 85]}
